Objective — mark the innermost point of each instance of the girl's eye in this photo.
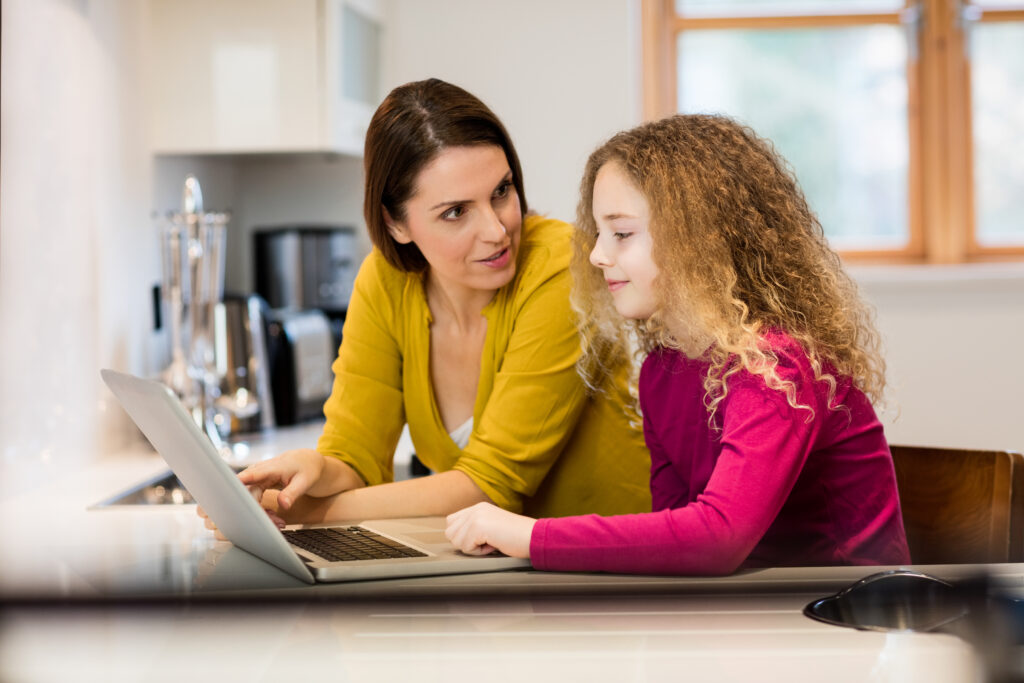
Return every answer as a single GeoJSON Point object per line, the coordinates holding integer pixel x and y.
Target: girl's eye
{"type": "Point", "coordinates": [619, 236]}
{"type": "Point", "coordinates": [502, 190]}
{"type": "Point", "coordinates": [453, 213]}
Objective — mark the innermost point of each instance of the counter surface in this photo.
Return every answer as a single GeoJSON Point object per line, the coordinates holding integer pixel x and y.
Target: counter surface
{"type": "Point", "coordinates": [133, 593]}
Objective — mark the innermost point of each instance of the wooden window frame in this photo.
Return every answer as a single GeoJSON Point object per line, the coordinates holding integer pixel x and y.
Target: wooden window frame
{"type": "Point", "coordinates": [940, 185]}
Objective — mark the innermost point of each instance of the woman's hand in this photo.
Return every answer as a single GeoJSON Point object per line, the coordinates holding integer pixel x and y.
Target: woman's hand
{"type": "Point", "coordinates": [484, 528]}
{"type": "Point", "coordinates": [294, 473]}
{"type": "Point", "coordinates": [257, 493]}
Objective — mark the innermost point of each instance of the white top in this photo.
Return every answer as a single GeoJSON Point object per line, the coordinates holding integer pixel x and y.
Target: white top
{"type": "Point", "coordinates": [460, 435]}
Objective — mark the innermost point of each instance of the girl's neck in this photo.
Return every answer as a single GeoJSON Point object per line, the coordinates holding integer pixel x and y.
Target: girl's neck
{"type": "Point", "coordinates": [689, 341]}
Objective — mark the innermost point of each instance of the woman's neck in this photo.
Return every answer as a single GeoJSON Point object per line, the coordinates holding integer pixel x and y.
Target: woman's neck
{"type": "Point", "coordinates": [459, 306]}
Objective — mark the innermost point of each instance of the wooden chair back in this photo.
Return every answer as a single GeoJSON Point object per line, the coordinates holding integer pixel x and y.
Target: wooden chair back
{"type": "Point", "coordinates": [961, 506]}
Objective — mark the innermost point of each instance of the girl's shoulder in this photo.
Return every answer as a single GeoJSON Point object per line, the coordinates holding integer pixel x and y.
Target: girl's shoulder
{"type": "Point", "coordinates": [789, 352]}
{"type": "Point", "coordinates": [670, 364]}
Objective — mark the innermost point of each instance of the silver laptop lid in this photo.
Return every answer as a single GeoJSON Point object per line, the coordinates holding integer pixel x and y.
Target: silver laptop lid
{"type": "Point", "coordinates": [174, 434]}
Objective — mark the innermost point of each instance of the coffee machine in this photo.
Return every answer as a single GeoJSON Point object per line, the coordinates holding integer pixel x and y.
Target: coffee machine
{"type": "Point", "coordinates": [302, 267]}
{"type": "Point", "coordinates": [306, 274]}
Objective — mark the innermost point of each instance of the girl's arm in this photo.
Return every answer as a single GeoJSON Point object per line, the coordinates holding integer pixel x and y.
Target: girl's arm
{"type": "Point", "coordinates": [484, 528]}
{"type": "Point", "coordinates": [764, 447]}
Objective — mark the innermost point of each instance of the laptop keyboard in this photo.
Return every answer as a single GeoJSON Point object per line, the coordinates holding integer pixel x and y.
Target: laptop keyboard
{"type": "Point", "coordinates": [345, 544]}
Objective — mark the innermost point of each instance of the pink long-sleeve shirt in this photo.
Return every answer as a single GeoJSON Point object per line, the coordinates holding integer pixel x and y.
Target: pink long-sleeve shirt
{"type": "Point", "coordinates": [772, 487]}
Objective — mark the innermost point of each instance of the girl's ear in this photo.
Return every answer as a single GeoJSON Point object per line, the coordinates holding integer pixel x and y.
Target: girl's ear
{"type": "Point", "coordinates": [397, 230]}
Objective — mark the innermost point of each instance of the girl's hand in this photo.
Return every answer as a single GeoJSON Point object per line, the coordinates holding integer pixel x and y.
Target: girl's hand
{"type": "Point", "coordinates": [484, 528]}
{"type": "Point", "coordinates": [293, 472]}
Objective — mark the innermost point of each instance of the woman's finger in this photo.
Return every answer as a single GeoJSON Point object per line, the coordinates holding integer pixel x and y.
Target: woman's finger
{"type": "Point", "coordinates": [256, 475]}
{"type": "Point", "coordinates": [269, 502]}
{"type": "Point", "coordinates": [298, 485]}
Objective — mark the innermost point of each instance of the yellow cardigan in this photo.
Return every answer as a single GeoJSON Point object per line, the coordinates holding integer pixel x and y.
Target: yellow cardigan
{"type": "Point", "coordinates": [539, 444]}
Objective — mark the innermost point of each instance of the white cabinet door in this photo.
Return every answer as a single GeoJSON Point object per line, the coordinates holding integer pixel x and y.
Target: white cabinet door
{"type": "Point", "coordinates": [261, 76]}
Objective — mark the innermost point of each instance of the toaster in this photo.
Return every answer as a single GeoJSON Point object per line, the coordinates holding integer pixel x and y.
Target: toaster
{"type": "Point", "coordinates": [301, 347]}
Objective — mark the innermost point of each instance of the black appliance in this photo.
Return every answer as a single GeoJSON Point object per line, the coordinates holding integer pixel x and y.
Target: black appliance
{"type": "Point", "coordinates": [300, 267]}
{"type": "Point", "coordinates": [305, 273]}
{"type": "Point", "coordinates": [301, 348]}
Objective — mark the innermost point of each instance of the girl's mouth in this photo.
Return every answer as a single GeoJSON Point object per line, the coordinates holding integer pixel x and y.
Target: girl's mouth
{"type": "Point", "coordinates": [615, 285]}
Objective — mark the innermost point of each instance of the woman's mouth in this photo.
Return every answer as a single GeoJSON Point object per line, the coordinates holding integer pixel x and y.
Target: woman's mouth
{"type": "Point", "coordinates": [499, 259]}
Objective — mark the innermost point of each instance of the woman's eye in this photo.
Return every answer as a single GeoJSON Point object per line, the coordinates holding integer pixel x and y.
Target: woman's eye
{"type": "Point", "coordinates": [453, 213]}
{"type": "Point", "coordinates": [502, 190]}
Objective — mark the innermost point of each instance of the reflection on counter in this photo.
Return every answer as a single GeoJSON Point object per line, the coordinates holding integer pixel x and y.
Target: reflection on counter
{"type": "Point", "coordinates": [163, 489]}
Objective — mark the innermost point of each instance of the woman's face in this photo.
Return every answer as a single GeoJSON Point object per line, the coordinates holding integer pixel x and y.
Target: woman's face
{"type": "Point", "coordinates": [623, 247]}
{"type": "Point", "coordinates": [464, 216]}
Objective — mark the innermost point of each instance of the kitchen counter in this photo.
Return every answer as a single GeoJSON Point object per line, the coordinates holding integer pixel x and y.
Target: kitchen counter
{"type": "Point", "coordinates": [145, 593]}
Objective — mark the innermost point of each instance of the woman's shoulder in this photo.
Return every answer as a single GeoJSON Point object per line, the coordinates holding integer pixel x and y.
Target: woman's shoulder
{"type": "Point", "coordinates": [387, 290]}
{"type": "Point", "coordinates": [545, 248]}
{"type": "Point", "coordinates": [376, 273]}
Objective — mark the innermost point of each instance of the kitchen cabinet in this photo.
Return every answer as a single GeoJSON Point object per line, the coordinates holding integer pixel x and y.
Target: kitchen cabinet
{"type": "Point", "coordinates": [263, 76]}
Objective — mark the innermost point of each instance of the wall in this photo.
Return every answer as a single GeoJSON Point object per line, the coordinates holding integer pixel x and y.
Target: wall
{"type": "Point", "coordinates": [75, 244]}
{"type": "Point", "coordinates": [311, 190]}
{"type": "Point", "coordinates": [953, 337]}
{"type": "Point", "coordinates": [523, 59]}
{"type": "Point", "coordinates": [562, 76]}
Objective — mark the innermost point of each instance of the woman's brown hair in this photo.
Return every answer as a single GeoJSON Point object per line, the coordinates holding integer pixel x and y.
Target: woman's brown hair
{"type": "Point", "coordinates": [739, 253]}
{"type": "Point", "coordinates": [415, 123]}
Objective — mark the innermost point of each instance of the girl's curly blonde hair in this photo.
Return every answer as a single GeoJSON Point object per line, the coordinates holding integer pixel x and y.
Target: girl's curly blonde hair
{"type": "Point", "coordinates": [739, 254]}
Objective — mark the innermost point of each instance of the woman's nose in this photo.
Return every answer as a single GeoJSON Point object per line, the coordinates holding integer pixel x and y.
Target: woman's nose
{"type": "Point", "coordinates": [494, 230]}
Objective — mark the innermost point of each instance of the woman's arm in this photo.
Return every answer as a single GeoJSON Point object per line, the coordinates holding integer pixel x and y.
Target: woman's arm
{"type": "Point", "coordinates": [365, 411]}
{"type": "Point", "coordinates": [437, 494]}
{"type": "Point", "coordinates": [301, 472]}
{"type": "Point", "coordinates": [536, 396]}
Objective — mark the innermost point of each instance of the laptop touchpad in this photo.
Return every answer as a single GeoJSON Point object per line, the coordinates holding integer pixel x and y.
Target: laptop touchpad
{"type": "Point", "coordinates": [428, 537]}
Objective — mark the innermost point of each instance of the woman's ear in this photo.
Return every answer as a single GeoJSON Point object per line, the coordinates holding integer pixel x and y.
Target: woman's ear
{"type": "Point", "coordinates": [397, 230]}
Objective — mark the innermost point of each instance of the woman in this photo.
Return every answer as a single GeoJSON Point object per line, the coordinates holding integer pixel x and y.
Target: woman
{"type": "Point", "coordinates": [459, 325]}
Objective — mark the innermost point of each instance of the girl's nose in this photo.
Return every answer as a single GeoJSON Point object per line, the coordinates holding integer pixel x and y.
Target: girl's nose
{"type": "Point", "coordinates": [597, 256]}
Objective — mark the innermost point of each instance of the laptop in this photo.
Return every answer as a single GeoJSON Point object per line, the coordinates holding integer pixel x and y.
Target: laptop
{"type": "Point", "coordinates": [372, 549]}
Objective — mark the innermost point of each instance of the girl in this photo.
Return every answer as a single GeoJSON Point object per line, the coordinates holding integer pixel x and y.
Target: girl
{"type": "Point", "coordinates": [459, 325]}
{"type": "Point", "coordinates": [761, 368]}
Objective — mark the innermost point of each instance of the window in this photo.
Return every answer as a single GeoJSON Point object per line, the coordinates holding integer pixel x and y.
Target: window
{"type": "Point", "coordinates": [904, 121]}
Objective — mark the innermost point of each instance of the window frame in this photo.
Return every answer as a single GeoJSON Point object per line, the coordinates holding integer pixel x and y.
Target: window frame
{"type": "Point", "coordinates": [940, 185]}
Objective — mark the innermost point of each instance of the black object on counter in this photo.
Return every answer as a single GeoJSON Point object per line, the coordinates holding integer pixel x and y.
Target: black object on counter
{"type": "Point", "coordinates": [976, 610]}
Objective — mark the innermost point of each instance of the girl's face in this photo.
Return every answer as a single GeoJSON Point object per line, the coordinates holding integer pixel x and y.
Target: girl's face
{"type": "Point", "coordinates": [623, 246]}
{"type": "Point", "coordinates": [465, 218]}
